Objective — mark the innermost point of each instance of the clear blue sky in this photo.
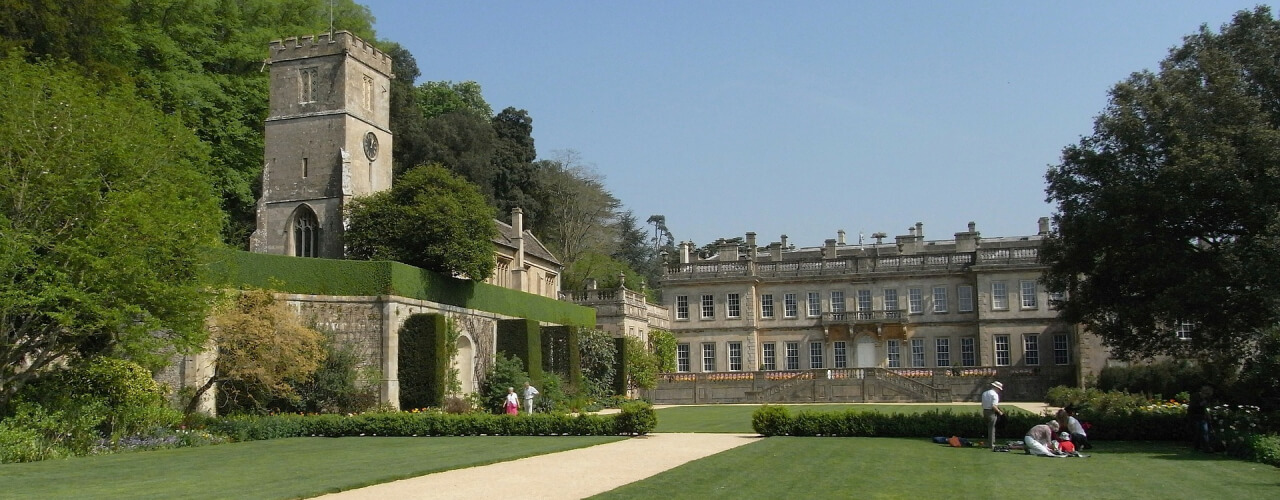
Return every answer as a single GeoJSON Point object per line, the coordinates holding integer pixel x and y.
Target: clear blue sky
{"type": "Point", "coordinates": [803, 118]}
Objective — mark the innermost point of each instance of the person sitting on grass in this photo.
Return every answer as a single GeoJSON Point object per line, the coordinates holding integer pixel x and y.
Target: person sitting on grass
{"type": "Point", "coordinates": [1078, 436]}
{"type": "Point", "coordinates": [1064, 443]}
{"type": "Point", "coordinates": [1040, 438]}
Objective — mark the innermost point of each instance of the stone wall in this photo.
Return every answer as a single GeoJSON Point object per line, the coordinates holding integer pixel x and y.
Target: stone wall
{"type": "Point", "coordinates": [855, 385]}
{"type": "Point", "coordinates": [371, 324]}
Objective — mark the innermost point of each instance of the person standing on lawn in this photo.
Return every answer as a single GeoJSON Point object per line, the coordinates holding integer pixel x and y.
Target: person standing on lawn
{"type": "Point", "coordinates": [512, 404]}
{"type": "Point", "coordinates": [991, 411]}
{"type": "Point", "coordinates": [529, 392]}
{"type": "Point", "coordinates": [1198, 415]}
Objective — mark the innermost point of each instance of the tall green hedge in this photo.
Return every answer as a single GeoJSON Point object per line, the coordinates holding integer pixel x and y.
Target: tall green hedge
{"type": "Point", "coordinates": [560, 353]}
{"type": "Point", "coordinates": [423, 360]}
{"type": "Point", "coordinates": [234, 268]}
{"type": "Point", "coordinates": [522, 338]}
{"type": "Point", "coordinates": [620, 375]}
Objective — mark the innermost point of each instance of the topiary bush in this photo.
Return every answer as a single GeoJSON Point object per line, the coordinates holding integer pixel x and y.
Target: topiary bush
{"type": "Point", "coordinates": [637, 418]}
{"type": "Point", "coordinates": [770, 420]}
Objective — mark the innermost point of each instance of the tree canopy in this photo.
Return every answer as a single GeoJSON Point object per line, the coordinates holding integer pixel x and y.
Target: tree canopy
{"type": "Point", "coordinates": [104, 214]}
{"type": "Point", "coordinates": [200, 61]}
{"type": "Point", "coordinates": [430, 218]}
{"type": "Point", "coordinates": [1167, 230]}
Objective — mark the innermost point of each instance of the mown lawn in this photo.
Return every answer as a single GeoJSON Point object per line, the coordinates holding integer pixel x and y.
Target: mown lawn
{"type": "Point", "coordinates": [282, 468]}
{"type": "Point", "coordinates": [737, 418]}
{"type": "Point", "coordinates": [887, 468]}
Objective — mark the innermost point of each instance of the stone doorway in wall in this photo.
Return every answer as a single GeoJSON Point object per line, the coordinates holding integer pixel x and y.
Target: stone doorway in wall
{"type": "Point", "coordinates": [865, 356]}
{"type": "Point", "coordinates": [466, 363]}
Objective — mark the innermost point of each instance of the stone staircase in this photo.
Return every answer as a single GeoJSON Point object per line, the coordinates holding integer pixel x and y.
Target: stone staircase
{"type": "Point", "coordinates": [913, 389]}
{"type": "Point", "coordinates": [768, 393]}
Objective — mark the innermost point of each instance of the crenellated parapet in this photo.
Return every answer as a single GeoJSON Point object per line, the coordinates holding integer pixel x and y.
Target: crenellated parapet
{"type": "Point", "coordinates": [334, 43]}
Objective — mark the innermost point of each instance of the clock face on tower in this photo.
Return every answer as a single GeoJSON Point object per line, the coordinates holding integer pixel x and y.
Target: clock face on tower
{"type": "Point", "coordinates": [370, 146]}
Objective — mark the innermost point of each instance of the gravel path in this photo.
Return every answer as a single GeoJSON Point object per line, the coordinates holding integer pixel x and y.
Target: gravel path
{"type": "Point", "coordinates": [571, 474]}
{"type": "Point", "coordinates": [568, 474]}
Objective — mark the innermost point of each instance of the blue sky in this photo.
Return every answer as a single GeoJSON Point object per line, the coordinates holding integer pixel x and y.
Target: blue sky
{"type": "Point", "coordinates": [803, 118]}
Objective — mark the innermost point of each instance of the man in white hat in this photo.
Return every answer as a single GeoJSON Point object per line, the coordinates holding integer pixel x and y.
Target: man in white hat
{"type": "Point", "coordinates": [991, 411]}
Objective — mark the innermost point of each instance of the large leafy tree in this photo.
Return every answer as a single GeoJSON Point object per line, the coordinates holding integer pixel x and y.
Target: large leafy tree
{"type": "Point", "coordinates": [515, 179]}
{"type": "Point", "coordinates": [408, 124]}
{"type": "Point", "coordinates": [430, 218]}
{"type": "Point", "coordinates": [634, 249]}
{"type": "Point", "coordinates": [198, 60]}
{"type": "Point", "coordinates": [104, 213]}
{"type": "Point", "coordinates": [1167, 231]}
{"type": "Point", "coordinates": [579, 212]}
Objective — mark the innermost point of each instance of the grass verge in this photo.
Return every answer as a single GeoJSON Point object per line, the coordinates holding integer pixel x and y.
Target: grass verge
{"type": "Point", "coordinates": [890, 468]}
{"type": "Point", "coordinates": [279, 468]}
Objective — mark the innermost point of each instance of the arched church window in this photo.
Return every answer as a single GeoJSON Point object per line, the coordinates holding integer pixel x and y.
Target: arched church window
{"type": "Point", "coordinates": [306, 233]}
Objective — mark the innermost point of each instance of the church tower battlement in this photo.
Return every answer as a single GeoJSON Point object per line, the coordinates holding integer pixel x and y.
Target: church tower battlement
{"type": "Point", "coordinates": [327, 140]}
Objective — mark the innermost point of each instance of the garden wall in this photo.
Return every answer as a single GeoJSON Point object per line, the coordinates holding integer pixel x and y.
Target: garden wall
{"type": "Point", "coordinates": [856, 385]}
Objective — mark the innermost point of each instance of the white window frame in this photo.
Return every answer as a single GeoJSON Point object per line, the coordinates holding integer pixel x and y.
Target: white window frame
{"type": "Point", "coordinates": [815, 355]}
{"type": "Point", "coordinates": [864, 304]}
{"type": "Point", "coordinates": [1031, 349]}
{"type": "Point", "coordinates": [769, 356]}
{"type": "Point", "coordinates": [814, 303]}
{"type": "Point", "coordinates": [840, 353]}
{"type": "Point", "coordinates": [1029, 293]}
{"type": "Point", "coordinates": [733, 306]}
{"type": "Point", "coordinates": [708, 306]}
{"type": "Point", "coordinates": [708, 356]}
{"type": "Point", "coordinates": [942, 352]}
{"type": "Point", "coordinates": [1182, 329]}
{"type": "Point", "coordinates": [766, 306]}
{"type": "Point", "coordinates": [915, 301]}
{"type": "Point", "coordinates": [891, 308]}
{"type": "Point", "coordinates": [682, 358]}
{"type": "Point", "coordinates": [837, 301]}
{"type": "Point", "coordinates": [735, 356]}
{"type": "Point", "coordinates": [1061, 349]}
{"type": "Point", "coordinates": [968, 351]}
{"type": "Point", "coordinates": [1000, 343]}
{"type": "Point", "coordinates": [964, 299]}
{"type": "Point", "coordinates": [999, 296]}
{"type": "Point", "coordinates": [682, 307]}
{"type": "Point", "coordinates": [793, 355]}
{"type": "Point", "coordinates": [917, 353]}
{"type": "Point", "coordinates": [939, 299]}
{"type": "Point", "coordinates": [1055, 300]}
{"type": "Point", "coordinates": [790, 308]}
{"type": "Point", "coordinates": [893, 352]}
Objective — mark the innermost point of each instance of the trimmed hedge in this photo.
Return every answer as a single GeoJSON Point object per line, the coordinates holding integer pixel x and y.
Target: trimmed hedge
{"type": "Point", "coordinates": [423, 360]}
{"type": "Point", "coordinates": [779, 421]}
{"type": "Point", "coordinates": [234, 268]}
{"type": "Point", "coordinates": [637, 420]}
{"type": "Point", "coordinates": [522, 338]}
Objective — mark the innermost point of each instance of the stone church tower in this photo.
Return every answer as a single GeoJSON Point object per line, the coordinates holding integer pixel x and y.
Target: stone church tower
{"type": "Point", "coordinates": [328, 139]}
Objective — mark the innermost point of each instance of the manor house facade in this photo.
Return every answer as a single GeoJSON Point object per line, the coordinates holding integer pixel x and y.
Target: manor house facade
{"type": "Point", "coordinates": [911, 306]}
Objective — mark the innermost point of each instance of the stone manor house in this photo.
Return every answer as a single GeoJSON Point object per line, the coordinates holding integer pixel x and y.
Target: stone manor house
{"type": "Point", "coordinates": [911, 319]}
